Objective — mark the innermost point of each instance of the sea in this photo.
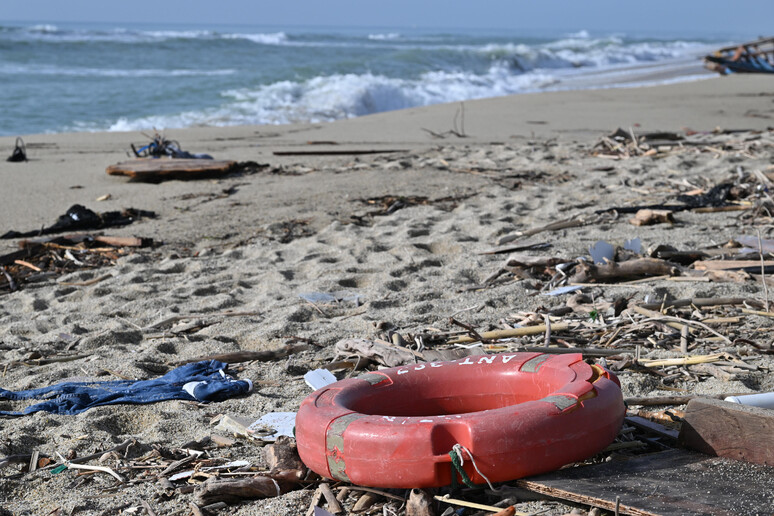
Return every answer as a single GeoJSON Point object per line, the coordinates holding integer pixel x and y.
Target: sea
{"type": "Point", "coordinates": [71, 77]}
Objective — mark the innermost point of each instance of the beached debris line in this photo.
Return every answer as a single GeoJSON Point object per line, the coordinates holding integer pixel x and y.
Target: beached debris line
{"type": "Point", "coordinates": [711, 337]}
{"type": "Point", "coordinates": [623, 144]}
{"type": "Point", "coordinates": [738, 261]}
{"type": "Point", "coordinates": [43, 259]}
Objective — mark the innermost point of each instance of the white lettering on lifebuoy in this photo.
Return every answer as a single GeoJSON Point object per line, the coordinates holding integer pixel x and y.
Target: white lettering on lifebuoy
{"type": "Point", "coordinates": [485, 359]}
{"type": "Point", "coordinates": [389, 418]}
{"type": "Point", "coordinates": [425, 420]}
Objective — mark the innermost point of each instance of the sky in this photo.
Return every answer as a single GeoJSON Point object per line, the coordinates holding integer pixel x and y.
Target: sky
{"type": "Point", "coordinates": [744, 17]}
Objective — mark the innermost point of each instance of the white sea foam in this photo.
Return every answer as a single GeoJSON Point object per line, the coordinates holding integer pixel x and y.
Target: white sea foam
{"type": "Point", "coordinates": [276, 38]}
{"type": "Point", "coordinates": [44, 28]}
{"type": "Point", "coordinates": [576, 53]}
{"type": "Point", "coordinates": [343, 96]}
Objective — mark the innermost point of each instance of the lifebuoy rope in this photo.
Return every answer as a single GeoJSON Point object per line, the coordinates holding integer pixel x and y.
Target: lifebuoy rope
{"type": "Point", "coordinates": [458, 461]}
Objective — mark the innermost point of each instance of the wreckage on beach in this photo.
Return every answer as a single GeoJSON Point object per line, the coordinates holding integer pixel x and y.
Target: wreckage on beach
{"type": "Point", "coordinates": [753, 57]}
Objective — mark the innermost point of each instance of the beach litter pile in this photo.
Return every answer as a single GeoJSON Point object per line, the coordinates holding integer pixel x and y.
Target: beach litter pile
{"type": "Point", "coordinates": [673, 303]}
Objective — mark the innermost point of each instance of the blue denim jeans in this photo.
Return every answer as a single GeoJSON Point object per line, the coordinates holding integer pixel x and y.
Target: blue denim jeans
{"type": "Point", "coordinates": [202, 381]}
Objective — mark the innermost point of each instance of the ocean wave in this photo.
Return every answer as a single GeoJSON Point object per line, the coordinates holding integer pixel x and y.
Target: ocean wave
{"type": "Point", "coordinates": [586, 52]}
{"type": "Point", "coordinates": [335, 97]}
{"type": "Point", "coordinates": [177, 34]}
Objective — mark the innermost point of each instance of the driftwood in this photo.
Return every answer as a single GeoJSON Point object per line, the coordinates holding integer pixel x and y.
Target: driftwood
{"type": "Point", "coordinates": [650, 217]}
{"type": "Point", "coordinates": [230, 491]}
{"type": "Point", "coordinates": [365, 502]}
{"type": "Point", "coordinates": [628, 270]}
{"type": "Point", "coordinates": [419, 504]}
{"type": "Point", "coordinates": [283, 460]}
{"type": "Point", "coordinates": [162, 169]}
{"type": "Point", "coordinates": [707, 429]}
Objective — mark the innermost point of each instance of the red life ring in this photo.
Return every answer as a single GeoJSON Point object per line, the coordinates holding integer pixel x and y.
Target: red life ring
{"type": "Point", "coordinates": [518, 414]}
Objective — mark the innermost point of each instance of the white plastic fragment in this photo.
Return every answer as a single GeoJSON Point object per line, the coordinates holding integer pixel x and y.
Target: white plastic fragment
{"type": "Point", "coordinates": [762, 400]}
{"type": "Point", "coordinates": [564, 290]}
{"type": "Point", "coordinates": [234, 425]}
{"type": "Point", "coordinates": [319, 378]}
{"type": "Point", "coordinates": [280, 423]}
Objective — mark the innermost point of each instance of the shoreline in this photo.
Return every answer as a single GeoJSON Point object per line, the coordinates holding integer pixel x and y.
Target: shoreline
{"type": "Point", "coordinates": [69, 168]}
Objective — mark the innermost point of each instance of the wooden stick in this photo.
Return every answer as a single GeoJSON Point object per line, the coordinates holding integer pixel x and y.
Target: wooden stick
{"type": "Point", "coordinates": [333, 504]}
{"type": "Point", "coordinates": [316, 498]}
{"type": "Point", "coordinates": [513, 332]}
{"type": "Point", "coordinates": [28, 265]}
{"type": "Point", "coordinates": [472, 505]}
{"type": "Point", "coordinates": [554, 226]}
{"type": "Point", "coordinates": [698, 359]}
{"type": "Point", "coordinates": [757, 312]}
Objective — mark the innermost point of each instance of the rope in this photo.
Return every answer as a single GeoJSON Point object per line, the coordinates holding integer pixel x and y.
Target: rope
{"type": "Point", "coordinates": [458, 461]}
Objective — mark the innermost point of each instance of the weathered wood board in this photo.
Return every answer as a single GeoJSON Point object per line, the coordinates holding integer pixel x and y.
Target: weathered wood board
{"type": "Point", "coordinates": [729, 430]}
{"type": "Point", "coordinates": [669, 483]}
{"type": "Point", "coordinates": [164, 169]}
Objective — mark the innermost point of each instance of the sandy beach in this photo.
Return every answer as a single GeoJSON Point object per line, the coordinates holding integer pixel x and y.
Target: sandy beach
{"type": "Point", "coordinates": [233, 255]}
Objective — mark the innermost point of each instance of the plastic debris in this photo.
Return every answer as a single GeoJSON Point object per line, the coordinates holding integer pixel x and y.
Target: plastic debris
{"type": "Point", "coordinates": [319, 378]}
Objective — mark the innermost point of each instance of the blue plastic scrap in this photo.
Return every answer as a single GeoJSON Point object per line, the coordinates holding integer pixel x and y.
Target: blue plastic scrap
{"type": "Point", "coordinates": [199, 381]}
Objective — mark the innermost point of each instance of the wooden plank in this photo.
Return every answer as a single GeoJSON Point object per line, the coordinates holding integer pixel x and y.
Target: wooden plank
{"type": "Point", "coordinates": [669, 483]}
{"type": "Point", "coordinates": [733, 265]}
{"type": "Point", "coordinates": [729, 430]}
{"type": "Point", "coordinates": [652, 426]}
{"type": "Point", "coordinates": [163, 169]}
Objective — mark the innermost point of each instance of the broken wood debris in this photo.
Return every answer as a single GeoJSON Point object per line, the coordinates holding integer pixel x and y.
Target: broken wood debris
{"type": "Point", "coordinates": [50, 257]}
